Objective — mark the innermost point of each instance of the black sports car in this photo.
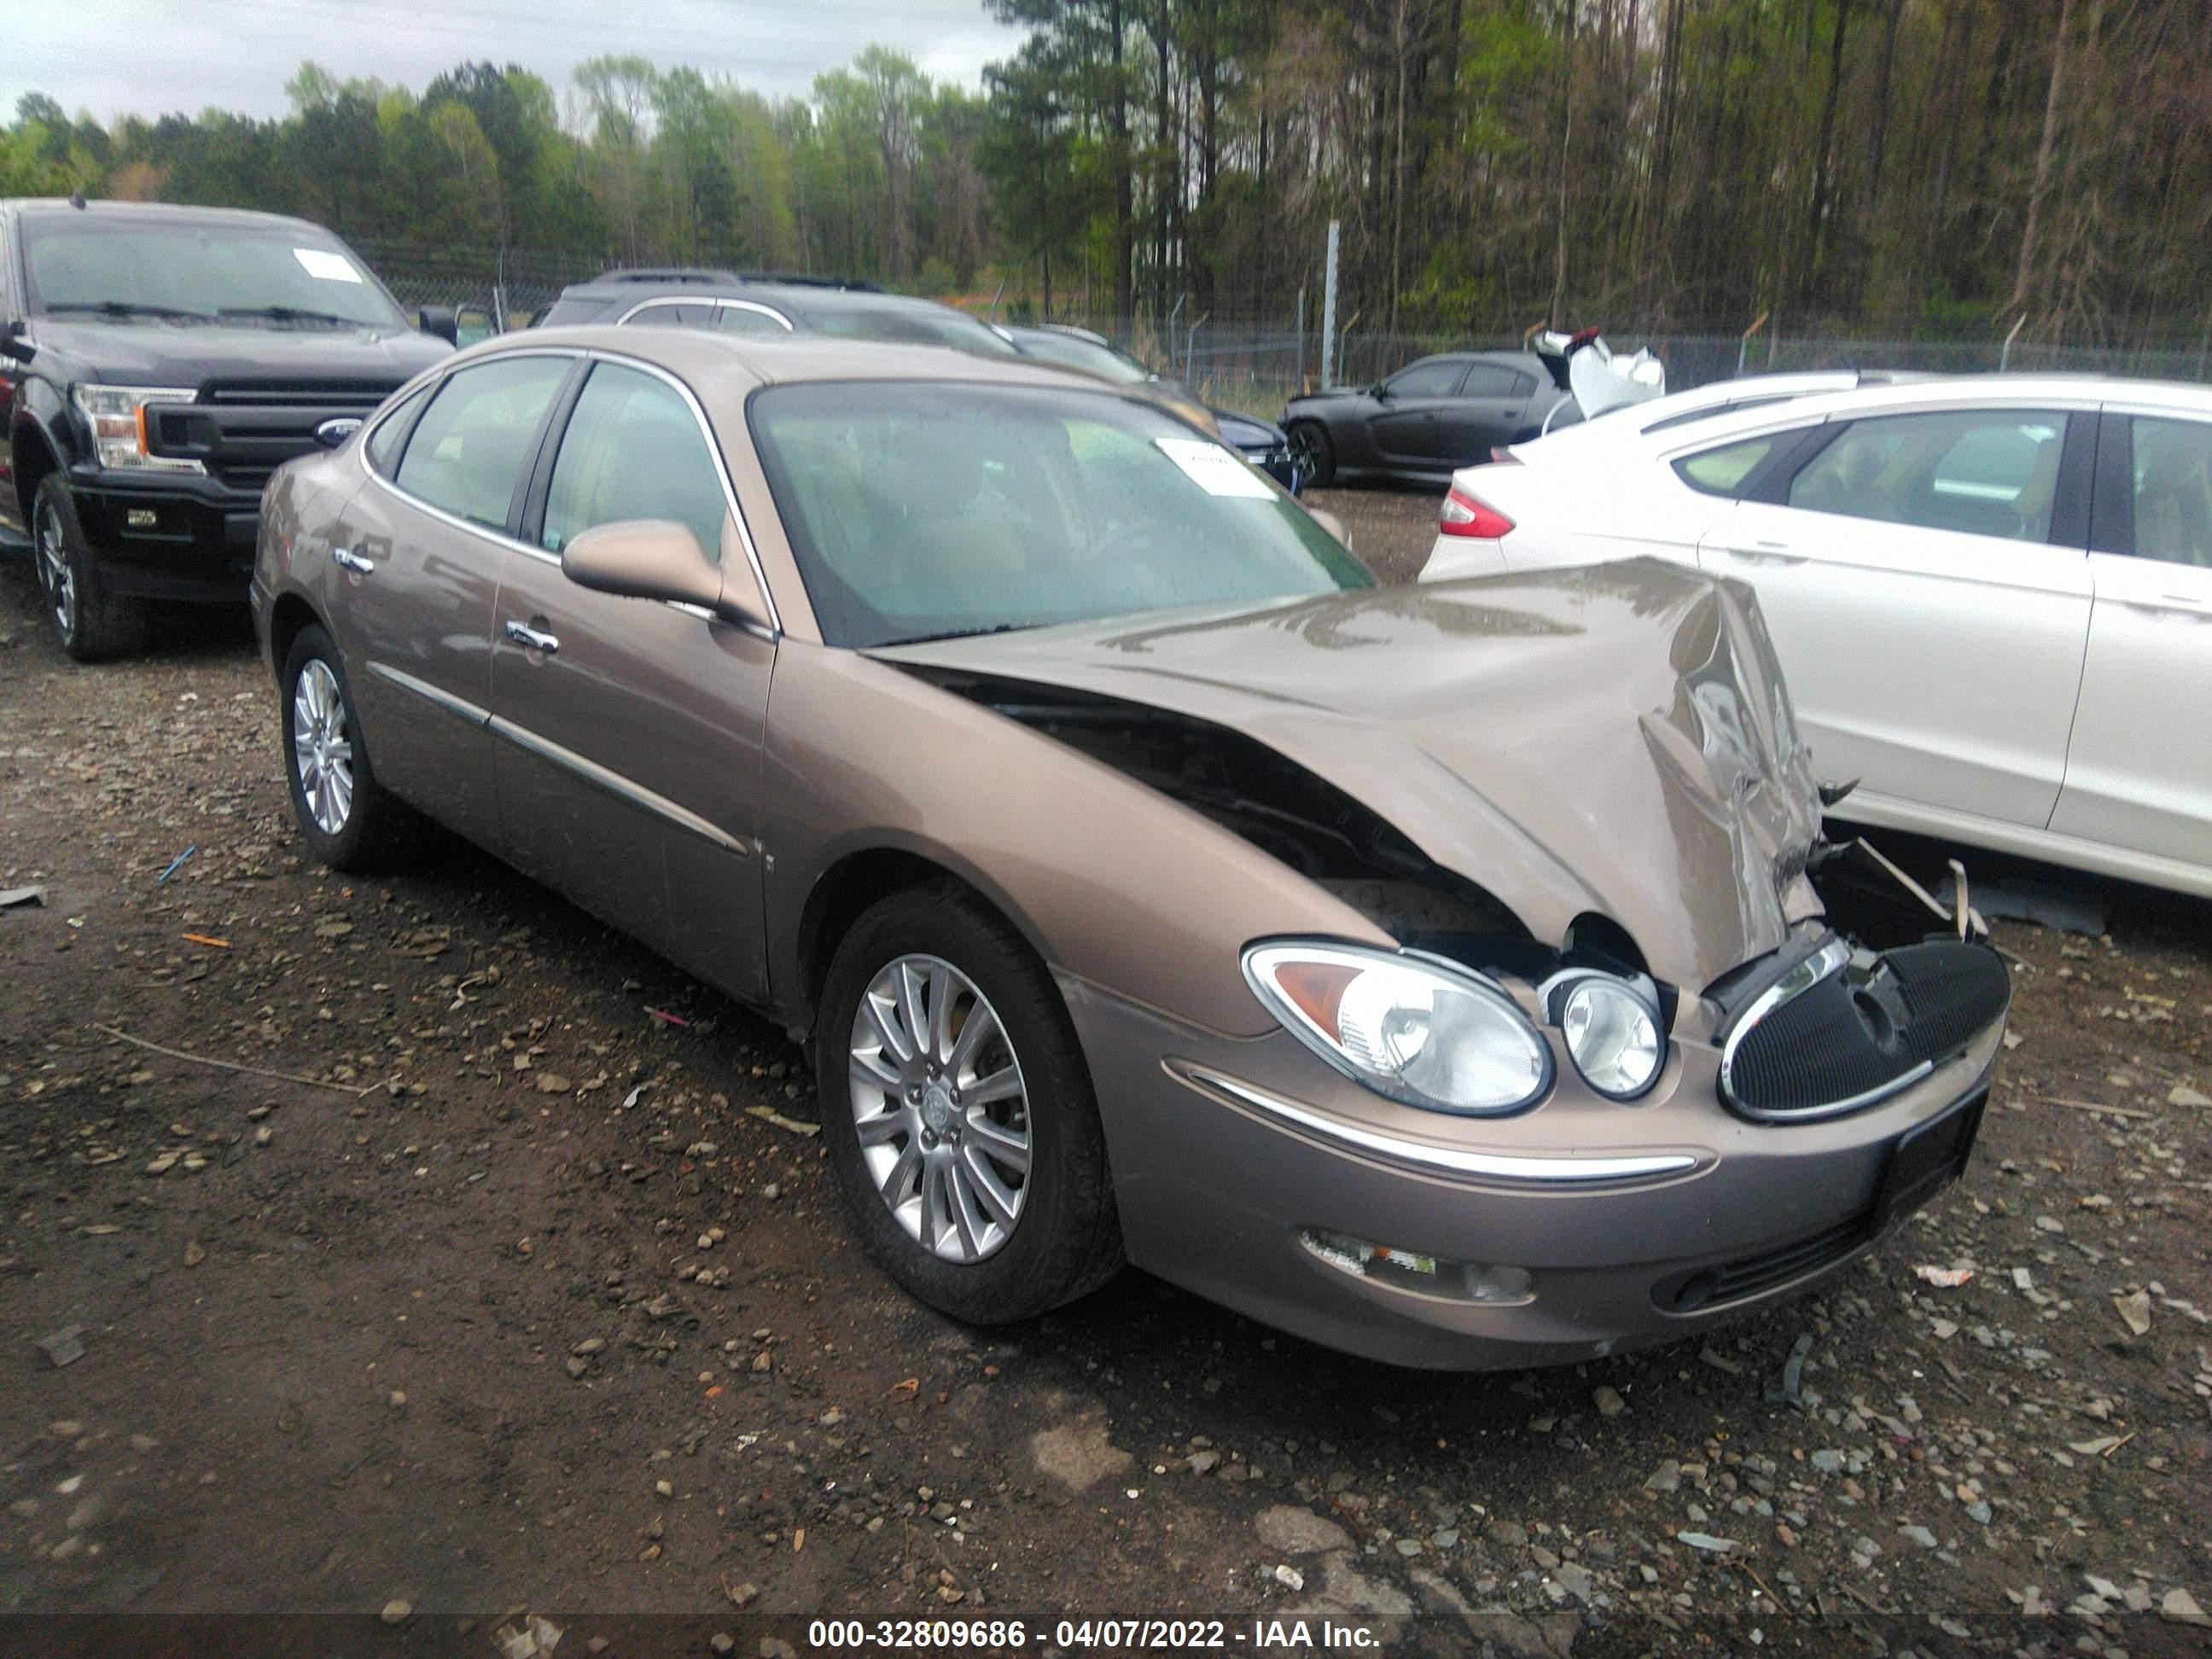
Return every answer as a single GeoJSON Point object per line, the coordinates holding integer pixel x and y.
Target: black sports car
{"type": "Point", "coordinates": [1263, 443]}
{"type": "Point", "coordinates": [1426, 421]}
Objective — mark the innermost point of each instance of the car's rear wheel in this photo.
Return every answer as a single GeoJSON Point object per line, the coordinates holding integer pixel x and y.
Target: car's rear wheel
{"type": "Point", "coordinates": [90, 622]}
{"type": "Point", "coordinates": [959, 1112]}
{"type": "Point", "coordinates": [1315, 455]}
{"type": "Point", "coordinates": [348, 820]}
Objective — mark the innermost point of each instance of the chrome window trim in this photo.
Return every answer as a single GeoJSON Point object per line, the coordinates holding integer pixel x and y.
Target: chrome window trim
{"type": "Point", "coordinates": [1445, 1160]}
{"type": "Point", "coordinates": [769, 311]}
{"type": "Point", "coordinates": [617, 785]}
{"type": "Point", "coordinates": [435, 378]}
{"type": "Point", "coordinates": [666, 301]}
{"type": "Point", "coordinates": [775, 628]}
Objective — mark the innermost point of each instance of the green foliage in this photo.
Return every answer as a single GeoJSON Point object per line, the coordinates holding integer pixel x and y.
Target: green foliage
{"type": "Point", "coordinates": [1678, 163]}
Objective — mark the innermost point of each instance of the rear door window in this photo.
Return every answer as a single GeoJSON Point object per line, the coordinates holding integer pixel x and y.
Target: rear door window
{"type": "Point", "coordinates": [392, 431]}
{"type": "Point", "coordinates": [671, 313]}
{"type": "Point", "coordinates": [1494, 380]}
{"type": "Point", "coordinates": [1721, 471]}
{"type": "Point", "coordinates": [1984, 472]}
{"type": "Point", "coordinates": [749, 319]}
{"type": "Point", "coordinates": [470, 448]}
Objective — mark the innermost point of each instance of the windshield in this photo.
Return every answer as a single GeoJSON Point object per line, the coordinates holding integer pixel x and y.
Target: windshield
{"type": "Point", "coordinates": [916, 325]}
{"type": "Point", "coordinates": [922, 509]}
{"type": "Point", "coordinates": [1072, 351]}
{"type": "Point", "coordinates": [199, 271]}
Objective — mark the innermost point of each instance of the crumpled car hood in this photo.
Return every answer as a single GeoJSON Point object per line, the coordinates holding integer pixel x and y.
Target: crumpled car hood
{"type": "Point", "coordinates": [1614, 738]}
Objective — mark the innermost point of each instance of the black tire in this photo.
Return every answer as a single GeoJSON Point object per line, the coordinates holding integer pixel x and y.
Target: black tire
{"type": "Point", "coordinates": [374, 829]}
{"type": "Point", "coordinates": [1315, 452]}
{"type": "Point", "coordinates": [90, 624]}
{"type": "Point", "coordinates": [1066, 1240]}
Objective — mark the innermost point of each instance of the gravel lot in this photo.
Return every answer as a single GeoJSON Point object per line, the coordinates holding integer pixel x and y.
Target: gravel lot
{"type": "Point", "coordinates": [533, 1298]}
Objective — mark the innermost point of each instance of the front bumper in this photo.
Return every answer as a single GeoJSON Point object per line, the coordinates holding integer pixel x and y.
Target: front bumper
{"type": "Point", "coordinates": [1633, 1225]}
{"type": "Point", "coordinates": [171, 538]}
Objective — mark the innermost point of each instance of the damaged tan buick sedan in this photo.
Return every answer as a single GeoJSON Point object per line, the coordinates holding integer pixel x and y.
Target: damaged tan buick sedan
{"type": "Point", "coordinates": [1455, 976]}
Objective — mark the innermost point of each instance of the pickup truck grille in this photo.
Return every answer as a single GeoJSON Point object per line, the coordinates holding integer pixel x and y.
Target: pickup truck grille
{"type": "Point", "coordinates": [337, 397]}
{"type": "Point", "coordinates": [243, 430]}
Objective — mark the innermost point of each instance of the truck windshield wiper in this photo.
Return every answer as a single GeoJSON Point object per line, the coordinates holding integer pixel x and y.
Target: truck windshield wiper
{"type": "Point", "coordinates": [292, 314]}
{"type": "Point", "coordinates": [130, 308]}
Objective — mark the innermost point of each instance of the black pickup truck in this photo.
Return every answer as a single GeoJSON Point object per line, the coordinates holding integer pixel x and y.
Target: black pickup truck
{"type": "Point", "coordinates": [157, 364]}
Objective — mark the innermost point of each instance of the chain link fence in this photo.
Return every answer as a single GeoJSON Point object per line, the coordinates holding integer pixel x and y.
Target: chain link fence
{"type": "Point", "coordinates": [492, 289]}
{"type": "Point", "coordinates": [1256, 365]}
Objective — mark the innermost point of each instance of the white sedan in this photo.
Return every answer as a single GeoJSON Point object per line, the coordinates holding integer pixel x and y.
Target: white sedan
{"type": "Point", "coordinates": [1992, 595]}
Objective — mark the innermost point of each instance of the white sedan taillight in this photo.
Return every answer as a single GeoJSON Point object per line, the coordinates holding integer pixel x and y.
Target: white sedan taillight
{"type": "Point", "coordinates": [1470, 515]}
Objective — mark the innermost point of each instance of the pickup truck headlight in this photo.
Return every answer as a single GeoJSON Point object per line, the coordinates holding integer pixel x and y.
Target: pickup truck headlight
{"type": "Point", "coordinates": [118, 416]}
{"type": "Point", "coordinates": [1413, 1029]}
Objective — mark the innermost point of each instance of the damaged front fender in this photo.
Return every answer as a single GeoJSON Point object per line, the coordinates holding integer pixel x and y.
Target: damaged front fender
{"type": "Point", "coordinates": [1612, 741]}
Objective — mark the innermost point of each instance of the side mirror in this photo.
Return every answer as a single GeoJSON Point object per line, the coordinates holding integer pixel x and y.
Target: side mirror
{"type": "Point", "coordinates": [13, 343]}
{"type": "Point", "coordinates": [440, 321]}
{"type": "Point", "coordinates": [1331, 523]}
{"type": "Point", "coordinates": [1380, 389]}
{"type": "Point", "coordinates": [651, 559]}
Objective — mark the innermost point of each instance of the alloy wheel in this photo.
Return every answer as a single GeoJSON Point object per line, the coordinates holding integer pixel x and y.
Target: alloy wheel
{"type": "Point", "coordinates": [941, 1109]}
{"type": "Point", "coordinates": [322, 748]}
{"type": "Point", "coordinates": [55, 575]}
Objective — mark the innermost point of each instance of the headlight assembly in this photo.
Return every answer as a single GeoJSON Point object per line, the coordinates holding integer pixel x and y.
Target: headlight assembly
{"type": "Point", "coordinates": [118, 415]}
{"type": "Point", "coordinates": [1612, 1029]}
{"type": "Point", "coordinates": [1417, 1030]}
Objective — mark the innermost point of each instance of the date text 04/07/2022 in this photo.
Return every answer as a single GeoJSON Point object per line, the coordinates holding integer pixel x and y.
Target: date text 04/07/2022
{"type": "Point", "coordinates": [1283, 1635]}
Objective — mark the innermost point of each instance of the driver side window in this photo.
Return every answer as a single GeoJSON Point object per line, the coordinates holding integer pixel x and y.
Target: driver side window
{"type": "Point", "coordinates": [1438, 378]}
{"type": "Point", "coordinates": [632, 450]}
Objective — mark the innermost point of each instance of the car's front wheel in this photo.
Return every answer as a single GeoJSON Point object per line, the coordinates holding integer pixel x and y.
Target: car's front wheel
{"type": "Point", "coordinates": [90, 622]}
{"type": "Point", "coordinates": [348, 820]}
{"type": "Point", "coordinates": [959, 1112]}
{"type": "Point", "coordinates": [1313, 454]}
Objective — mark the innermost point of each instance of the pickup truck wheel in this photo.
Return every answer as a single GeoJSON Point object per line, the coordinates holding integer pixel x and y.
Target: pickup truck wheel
{"type": "Point", "coordinates": [90, 622]}
{"type": "Point", "coordinates": [1314, 454]}
{"type": "Point", "coordinates": [348, 819]}
{"type": "Point", "coordinates": [958, 1112]}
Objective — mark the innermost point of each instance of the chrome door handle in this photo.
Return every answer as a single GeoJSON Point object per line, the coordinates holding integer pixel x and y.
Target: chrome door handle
{"type": "Point", "coordinates": [1768, 554]}
{"type": "Point", "coordinates": [532, 639]}
{"type": "Point", "coordinates": [346, 559]}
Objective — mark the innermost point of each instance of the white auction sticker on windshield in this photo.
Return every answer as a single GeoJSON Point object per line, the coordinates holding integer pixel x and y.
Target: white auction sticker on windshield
{"type": "Point", "coordinates": [329, 266]}
{"type": "Point", "coordinates": [1213, 469]}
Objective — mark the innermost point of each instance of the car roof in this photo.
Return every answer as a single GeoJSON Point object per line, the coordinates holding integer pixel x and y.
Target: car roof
{"type": "Point", "coordinates": [734, 364]}
{"type": "Point", "coordinates": [2007, 391]}
{"type": "Point", "coordinates": [56, 207]}
{"type": "Point", "coordinates": [638, 289]}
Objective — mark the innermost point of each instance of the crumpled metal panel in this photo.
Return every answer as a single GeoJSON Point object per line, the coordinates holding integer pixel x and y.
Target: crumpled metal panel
{"type": "Point", "coordinates": [1614, 738]}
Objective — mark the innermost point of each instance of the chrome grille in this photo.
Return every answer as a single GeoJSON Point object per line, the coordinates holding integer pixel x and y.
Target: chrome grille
{"type": "Point", "coordinates": [1827, 1039]}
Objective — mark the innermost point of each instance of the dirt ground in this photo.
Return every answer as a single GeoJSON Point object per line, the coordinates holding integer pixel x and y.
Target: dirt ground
{"type": "Point", "coordinates": [533, 1299]}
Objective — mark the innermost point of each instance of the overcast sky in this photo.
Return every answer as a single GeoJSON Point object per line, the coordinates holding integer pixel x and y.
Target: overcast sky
{"type": "Point", "coordinates": [116, 56]}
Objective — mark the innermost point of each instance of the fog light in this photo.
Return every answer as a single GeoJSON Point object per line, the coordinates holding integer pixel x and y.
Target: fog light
{"type": "Point", "coordinates": [141, 517]}
{"type": "Point", "coordinates": [1412, 1270]}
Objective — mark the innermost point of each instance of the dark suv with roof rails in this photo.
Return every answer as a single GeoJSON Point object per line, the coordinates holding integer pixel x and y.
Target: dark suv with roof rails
{"type": "Point", "coordinates": [767, 303]}
{"type": "Point", "coordinates": [157, 364]}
